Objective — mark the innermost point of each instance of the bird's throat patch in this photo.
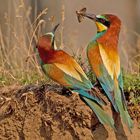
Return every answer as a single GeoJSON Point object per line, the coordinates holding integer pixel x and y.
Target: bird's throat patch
{"type": "Point", "coordinates": [100, 27]}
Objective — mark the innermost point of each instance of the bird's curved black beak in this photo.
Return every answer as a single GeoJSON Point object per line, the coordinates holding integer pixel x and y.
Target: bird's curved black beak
{"type": "Point", "coordinates": [90, 16]}
{"type": "Point", "coordinates": [54, 29]}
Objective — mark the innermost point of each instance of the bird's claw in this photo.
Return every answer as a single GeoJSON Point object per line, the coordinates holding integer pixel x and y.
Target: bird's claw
{"type": "Point", "coordinates": [96, 89]}
{"type": "Point", "coordinates": [66, 92]}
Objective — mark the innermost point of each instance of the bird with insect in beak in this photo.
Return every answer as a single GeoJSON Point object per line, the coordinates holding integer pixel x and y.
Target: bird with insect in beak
{"type": "Point", "coordinates": [63, 69]}
{"type": "Point", "coordinates": [103, 56]}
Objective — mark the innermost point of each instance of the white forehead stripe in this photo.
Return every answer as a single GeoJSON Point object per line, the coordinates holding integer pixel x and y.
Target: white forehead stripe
{"type": "Point", "coordinates": [50, 33]}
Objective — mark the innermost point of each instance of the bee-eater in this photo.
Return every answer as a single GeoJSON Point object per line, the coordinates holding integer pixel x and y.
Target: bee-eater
{"type": "Point", "coordinates": [63, 69]}
{"type": "Point", "coordinates": [102, 53]}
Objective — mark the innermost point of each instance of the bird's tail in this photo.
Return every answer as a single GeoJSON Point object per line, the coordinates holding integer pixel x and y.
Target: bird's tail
{"type": "Point", "coordinates": [103, 117]}
{"type": "Point", "coordinates": [120, 102]}
{"type": "Point", "coordinates": [92, 95]}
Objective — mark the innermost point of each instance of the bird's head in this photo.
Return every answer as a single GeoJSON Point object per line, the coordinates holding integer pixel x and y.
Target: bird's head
{"type": "Point", "coordinates": [103, 22]}
{"type": "Point", "coordinates": [47, 41]}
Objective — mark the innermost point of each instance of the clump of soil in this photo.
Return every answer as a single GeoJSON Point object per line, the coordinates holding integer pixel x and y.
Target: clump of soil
{"type": "Point", "coordinates": [42, 113]}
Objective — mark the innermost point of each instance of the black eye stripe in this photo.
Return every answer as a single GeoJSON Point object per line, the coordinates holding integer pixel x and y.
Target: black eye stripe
{"type": "Point", "coordinates": [103, 21]}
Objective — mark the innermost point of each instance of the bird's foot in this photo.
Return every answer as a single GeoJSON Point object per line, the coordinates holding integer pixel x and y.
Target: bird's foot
{"type": "Point", "coordinates": [66, 92]}
{"type": "Point", "coordinates": [96, 93]}
{"type": "Point", "coordinates": [96, 89]}
{"type": "Point", "coordinates": [95, 84]}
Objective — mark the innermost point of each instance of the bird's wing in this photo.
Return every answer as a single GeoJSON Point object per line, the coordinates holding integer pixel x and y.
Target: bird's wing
{"type": "Point", "coordinates": [73, 70]}
{"type": "Point", "coordinates": [111, 63]}
{"type": "Point", "coordinates": [103, 72]}
{"type": "Point", "coordinates": [69, 70]}
{"type": "Point", "coordinates": [69, 66]}
{"type": "Point", "coordinates": [59, 76]}
{"type": "Point", "coordinates": [65, 66]}
{"type": "Point", "coordinates": [110, 60]}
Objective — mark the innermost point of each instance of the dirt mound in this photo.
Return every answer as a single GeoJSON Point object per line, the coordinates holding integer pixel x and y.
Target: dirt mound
{"type": "Point", "coordinates": [42, 113]}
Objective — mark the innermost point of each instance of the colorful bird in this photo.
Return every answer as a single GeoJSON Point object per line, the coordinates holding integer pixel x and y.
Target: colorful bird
{"type": "Point", "coordinates": [102, 53]}
{"type": "Point", "coordinates": [63, 69]}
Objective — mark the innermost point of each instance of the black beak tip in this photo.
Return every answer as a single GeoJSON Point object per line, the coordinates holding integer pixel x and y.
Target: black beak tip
{"type": "Point", "coordinates": [56, 26]}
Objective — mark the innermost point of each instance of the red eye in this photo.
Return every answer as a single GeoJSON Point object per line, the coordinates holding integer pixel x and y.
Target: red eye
{"type": "Point", "coordinates": [102, 20]}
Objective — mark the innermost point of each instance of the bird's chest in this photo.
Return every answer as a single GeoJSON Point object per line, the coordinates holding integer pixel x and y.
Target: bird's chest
{"type": "Point", "coordinates": [46, 56]}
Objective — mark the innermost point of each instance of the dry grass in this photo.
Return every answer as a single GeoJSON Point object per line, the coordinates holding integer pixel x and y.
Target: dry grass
{"type": "Point", "coordinates": [17, 56]}
{"type": "Point", "coordinates": [130, 51]}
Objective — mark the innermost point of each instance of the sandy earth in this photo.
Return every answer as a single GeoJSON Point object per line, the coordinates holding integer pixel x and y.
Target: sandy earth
{"type": "Point", "coordinates": [40, 113]}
